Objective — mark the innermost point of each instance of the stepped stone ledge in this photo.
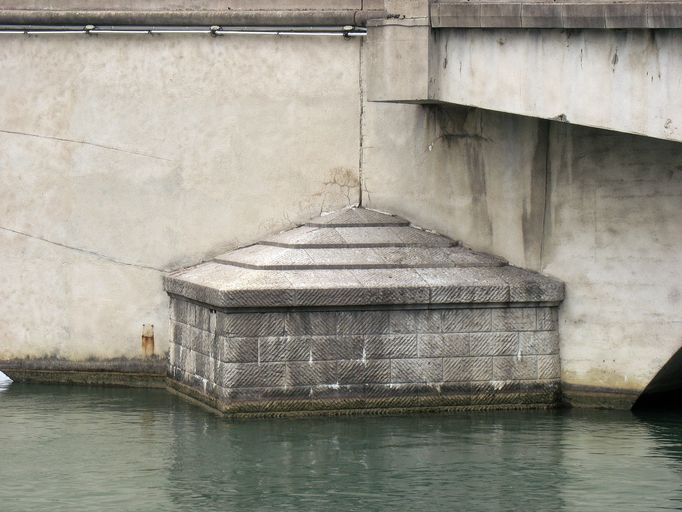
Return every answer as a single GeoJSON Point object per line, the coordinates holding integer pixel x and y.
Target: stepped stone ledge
{"type": "Point", "coordinates": [356, 311]}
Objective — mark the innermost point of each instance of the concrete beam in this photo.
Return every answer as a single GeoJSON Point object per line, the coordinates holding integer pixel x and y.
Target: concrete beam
{"type": "Point", "coordinates": [621, 80]}
{"type": "Point", "coordinates": [399, 60]}
{"type": "Point", "coordinates": [541, 14]}
{"type": "Point", "coordinates": [192, 12]}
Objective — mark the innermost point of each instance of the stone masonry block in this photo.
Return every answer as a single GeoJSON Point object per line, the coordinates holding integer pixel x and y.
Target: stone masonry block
{"type": "Point", "coordinates": [364, 372]}
{"type": "Point", "coordinates": [391, 346]}
{"type": "Point", "coordinates": [181, 311]}
{"type": "Point", "coordinates": [204, 319]}
{"type": "Point", "coordinates": [181, 356]}
{"type": "Point", "coordinates": [429, 321]}
{"type": "Point", "coordinates": [201, 341]}
{"type": "Point", "coordinates": [467, 320]}
{"type": "Point", "coordinates": [549, 367]}
{"type": "Point", "coordinates": [191, 314]}
{"type": "Point", "coordinates": [441, 345]}
{"type": "Point", "coordinates": [547, 319]}
{"type": "Point", "coordinates": [513, 319]}
{"type": "Point", "coordinates": [311, 323]}
{"type": "Point", "coordinates": [493, 343]}
{"type": "Point", "coordinates": [173, 353]}
{"type": "Point", "coordinates": [284, 348]}
{"type": "Point", "coordinates": [515, 368]}
{"type": "Point", "coordinates": [470, 293]}
{"type": "Point", "coordinates": [539, 342]}
{"type": "Point", "coordinates": [464, 369]}
{"type": "Point", "coordinates": [250, 324]}
{"type": "Point", "coordinates": [311, 373]}
{"type": "Point", "coordinates": [204, 366]}
{"type": "Point", "coordinates": [363, 322]}
{"type": "Point", "coordinates": [416, 370]}
{"type": "Point", "coordinates": [189, 361]}
{"type": "Point", "coordinates": [180, 333]}
{"type": "Point", "coordinates": [327, 348]}
{"type": "Point", "coordinates": [238, 350]}
{"type": "Point", "coordinates": [403, 321]}
{"type": "Point", "coordinates": [250, 375]}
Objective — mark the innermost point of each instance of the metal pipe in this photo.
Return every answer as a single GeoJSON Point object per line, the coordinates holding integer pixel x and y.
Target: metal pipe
{"type": "Point", "coordinates": [347, 30]}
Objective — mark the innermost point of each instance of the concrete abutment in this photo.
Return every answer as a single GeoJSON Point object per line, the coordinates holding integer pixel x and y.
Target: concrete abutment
{"type": "Point", "coordinates": [580, 179]}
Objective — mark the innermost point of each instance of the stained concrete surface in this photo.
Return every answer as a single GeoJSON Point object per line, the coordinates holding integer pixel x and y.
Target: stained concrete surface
{"type": "Point", "coordinates": [597, 209]}
{"type": "Point", "coordinates": [125, 157]}
{"type": "Point", "coordinates": [622, 80]}
{"type": "Point", "coordinates": [122, 158]}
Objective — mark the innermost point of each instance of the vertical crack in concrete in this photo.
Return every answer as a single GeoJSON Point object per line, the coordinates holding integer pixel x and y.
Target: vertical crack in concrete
{"type": "Point", "coordinates": [361, 86]}
{"type": "Point", "coordinates": [545, 207]}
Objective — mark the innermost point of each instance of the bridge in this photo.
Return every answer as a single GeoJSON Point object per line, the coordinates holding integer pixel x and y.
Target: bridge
{"type": "Point", "coordinates": [136, 140]}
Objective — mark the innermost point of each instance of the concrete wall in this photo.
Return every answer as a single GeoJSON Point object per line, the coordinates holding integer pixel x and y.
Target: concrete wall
{"type": "Point", "coordinates": [597, 209]}
{"type": "Point", "coordinates": [125, 156]}
{"type": "Point", "coordinates": [613, 231]}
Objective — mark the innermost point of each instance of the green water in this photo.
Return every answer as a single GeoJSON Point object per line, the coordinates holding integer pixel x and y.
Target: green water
{"type": "Point", "coordinates": [75, 448]}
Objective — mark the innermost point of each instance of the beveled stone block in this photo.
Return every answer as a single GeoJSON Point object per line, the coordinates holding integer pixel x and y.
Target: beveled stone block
{"type": "Point", "coordinates": [549, 367]}
{"type": "Point", "coordinates": [467, 320]}
{"type": "Point", "coordinates": [416, 370]}
{"type": "Point", "coordinates": [250, 375]}
{"type": "Point", "coordinates": [284, 348]}
{"type": "Point", "coordinates": [515, 368]}
{"type": "Point", "coordinates": [364, 372]}
{"type": "Point", "coordinates": [442, 345]}
{"type": "Point", "coordinates": [547, 319]}
{"type": "Point", "coordinates": [403, 321]}
{"type": "Point", "coordinates": [513, 319]}
{"type": "Point", "coordinates": [250, 324]}
{"type": "Point", "coordinates": [467, 369]}
{"type": "Point", "coordinates": [201, 341]}
{"type": "Point", "coordinates": [539, 342]}
{"type": "Point", "coordinates": [326, 348]}
{"type": "Point", "coordinates": [393, 346]}
{"type": "Point", "coordinates": [311, 373]}
{"type": "Point", "coordinates": [237, 350]}
{"type": "Point", "coordinates": [363, 322]}
{"type": "Point", "coordinates": [311, 323]}
{"type": "Point", "coordinates": [493, 343]}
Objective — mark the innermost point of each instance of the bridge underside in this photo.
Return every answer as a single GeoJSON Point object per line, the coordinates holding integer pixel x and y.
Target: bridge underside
{"type": "Point", "coordinates": [551, 133]}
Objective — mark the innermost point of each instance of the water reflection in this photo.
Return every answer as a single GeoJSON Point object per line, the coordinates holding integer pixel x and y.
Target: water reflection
{"type": "Point", "coordinates": [480, 462]}
{"type": "Point", "coordinates": [60, 446]}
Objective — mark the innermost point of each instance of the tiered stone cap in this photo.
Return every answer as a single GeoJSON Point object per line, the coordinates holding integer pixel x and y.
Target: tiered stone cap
{"type": "Point", "coordinates": [358, 257]}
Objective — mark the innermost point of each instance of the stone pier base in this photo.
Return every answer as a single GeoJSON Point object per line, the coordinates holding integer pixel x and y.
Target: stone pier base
{"type": "Point", "coordinates": [359, 311]}
{"type": "Point", "coordinates": [332, 360]}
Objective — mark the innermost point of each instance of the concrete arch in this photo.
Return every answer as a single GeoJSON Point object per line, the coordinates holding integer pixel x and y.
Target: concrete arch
{"type": "Point", "coordinates": [665, 389]}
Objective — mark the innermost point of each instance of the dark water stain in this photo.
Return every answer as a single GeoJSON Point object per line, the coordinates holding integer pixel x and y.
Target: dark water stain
{"type": "Point", "coordinates": [534, 209]}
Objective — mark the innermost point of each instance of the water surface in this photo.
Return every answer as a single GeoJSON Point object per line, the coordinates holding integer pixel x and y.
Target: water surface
{"type": "Point", "coordinates": [78, 448]}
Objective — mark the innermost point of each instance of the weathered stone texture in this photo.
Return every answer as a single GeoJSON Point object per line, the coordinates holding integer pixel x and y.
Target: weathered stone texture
{"type": "Point", "coordinates": [359, 310]}
{"type": "Point", "coordinates": [462, 356]}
